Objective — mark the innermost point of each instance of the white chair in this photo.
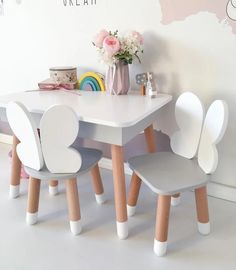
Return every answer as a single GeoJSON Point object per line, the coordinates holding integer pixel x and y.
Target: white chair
{"type": "Point", "coordinates": [167, 173]}
{"type": "Point", "coordinates": [52, 157]}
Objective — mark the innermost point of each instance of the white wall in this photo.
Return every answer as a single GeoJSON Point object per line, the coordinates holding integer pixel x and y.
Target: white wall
{"type": "Point", "coordinates": [196, 54]}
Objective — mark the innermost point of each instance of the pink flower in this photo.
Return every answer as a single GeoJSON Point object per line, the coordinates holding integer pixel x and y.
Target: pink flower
{"type": "Point", "coordinates": [111, 45]}
{"type": "Point", "coordinates": [137, 36]}
{"type": "Point", "coordinates": [99, 38]}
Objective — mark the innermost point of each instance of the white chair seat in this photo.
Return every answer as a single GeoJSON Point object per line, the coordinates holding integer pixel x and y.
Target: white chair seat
{"type": "Point", "coordinates": [166, 173]}
{"type": "Point", "coordinates": [89, 156]}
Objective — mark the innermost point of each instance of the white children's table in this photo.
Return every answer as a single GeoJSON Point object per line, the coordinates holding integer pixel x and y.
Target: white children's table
{"type": "Point", "coordinates": [103, 117]}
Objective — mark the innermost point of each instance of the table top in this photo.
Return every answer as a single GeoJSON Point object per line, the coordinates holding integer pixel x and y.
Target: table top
{"type": "Point", "coordinates": [93, 107]}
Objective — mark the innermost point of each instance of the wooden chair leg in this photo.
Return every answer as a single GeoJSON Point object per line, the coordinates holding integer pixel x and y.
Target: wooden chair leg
{"type": "Point", "coordinates": [175, 199]}
{"type": "Point", "coordinates": [133, 194]}
{"type": "Point", "coordinates": [202, 210]}
{"type": "Point", "coordinates": [53, 187]}
{"type": "Point", "coordinates": [119, 191]}
{"type": "Point", "coordinates": [97, 185]}
{"type": "Point", "coordinates": [73, 206]}
{"type": "Point", "coordinates": [33, 201]}
{"type": "Point", "coordinates": [15, 171]}
{"type": "Point", "coordinates": [162, 224]}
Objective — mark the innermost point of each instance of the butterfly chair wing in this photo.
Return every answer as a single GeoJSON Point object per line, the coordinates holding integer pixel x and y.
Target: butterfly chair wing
{"type": "Point", "coordinates": [59, 128]}
{"type": "Point", "coordinates": [213, 130]}
{"type": "Point", "coordinates": [23, 126]}
{"type": "Point", "coordinates": [189, 113]}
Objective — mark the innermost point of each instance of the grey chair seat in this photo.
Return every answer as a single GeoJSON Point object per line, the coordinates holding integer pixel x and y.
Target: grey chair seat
{"type": "Point", "coordinates": [90, 157]}
{"type": "Point", "coordinates": [167, 174]}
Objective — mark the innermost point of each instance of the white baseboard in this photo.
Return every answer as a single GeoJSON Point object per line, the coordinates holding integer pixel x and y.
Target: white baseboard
{"type": "Point", "coordinates": [214, 189]}
{"type": "Point", "coordinates": [220, 191]}
{"type": "Point", "coordinates": [5, 138]}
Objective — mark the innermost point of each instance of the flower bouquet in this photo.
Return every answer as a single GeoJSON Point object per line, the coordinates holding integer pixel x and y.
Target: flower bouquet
{"type": "Point", "coordinates": [117, 52]}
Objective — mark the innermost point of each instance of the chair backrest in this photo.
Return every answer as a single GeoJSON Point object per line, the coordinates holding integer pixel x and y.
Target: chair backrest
{"type": "Point", "coordinates": [195, 133]}
{"type": "Point", "coordinates": [189, 114]}
{"type": "Point", "coordinates": [59, 128]}
{"type": "Point", "coordinates": [213, 130]}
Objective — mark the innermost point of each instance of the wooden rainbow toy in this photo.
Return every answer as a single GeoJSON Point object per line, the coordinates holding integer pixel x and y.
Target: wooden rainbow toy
{"type": "Point", "coordinates": [91, 80]}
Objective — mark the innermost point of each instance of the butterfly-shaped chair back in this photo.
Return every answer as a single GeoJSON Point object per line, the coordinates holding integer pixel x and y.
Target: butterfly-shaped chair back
{"type": "Point", "coordinates": [196, 134]}
{"type": "Point", "coordinates": [59, 128]}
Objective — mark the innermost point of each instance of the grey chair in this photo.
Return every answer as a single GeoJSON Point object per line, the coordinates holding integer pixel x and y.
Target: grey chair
{"type": "Point", "coordinates": [52, 157]}
{"type": "Point", "coordinates": [167, 173]}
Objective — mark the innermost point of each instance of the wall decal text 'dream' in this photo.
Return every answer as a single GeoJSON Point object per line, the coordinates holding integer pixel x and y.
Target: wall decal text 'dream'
{"type": "Point", "coordinates": [79, 3]}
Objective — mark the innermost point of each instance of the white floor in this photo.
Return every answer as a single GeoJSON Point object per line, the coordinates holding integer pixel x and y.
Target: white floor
{"type": "Point", "coordinates": [50, 245]}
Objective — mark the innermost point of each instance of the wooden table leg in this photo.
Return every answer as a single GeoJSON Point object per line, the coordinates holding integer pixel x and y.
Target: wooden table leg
{"type": "Point", "coordinates": [97, 185]}
{"type": "Point", "coordinates": [135, 183]}
{"type": "Point", "coordinates": [175, 199]}
{"type": "Point", "coordinates": [151, 145]}
{"type": "Point", "coordinates": [53, 187]}
{"type": "Point", "coordinates": [150, 139]}
{"type": "Point", "coordinates": [119, 191]}
{"type": "Point", "coordinates": [15, 171]}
